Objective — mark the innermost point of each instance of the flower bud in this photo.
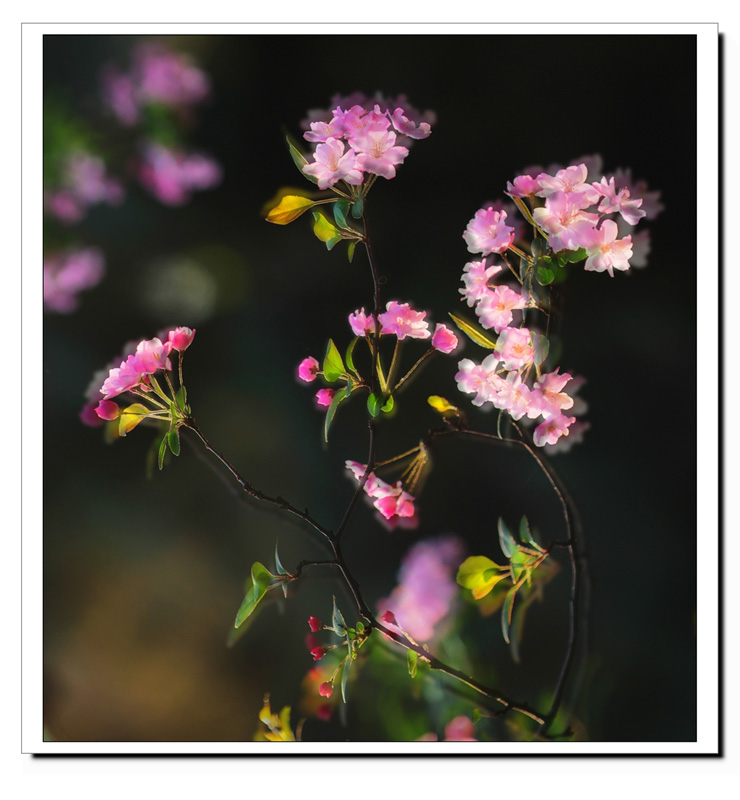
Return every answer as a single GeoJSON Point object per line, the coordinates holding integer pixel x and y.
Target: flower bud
{"type": "Point", "coordinates": [315, 624]}
{"type": "Point", "coordinates": [326, 689]}
{"type": "Point", "coordinates": [180, 338]}
{"type": "Point", "coordinates": [389, 618]}
{"type": "Point", "coordinates": [318, 653]}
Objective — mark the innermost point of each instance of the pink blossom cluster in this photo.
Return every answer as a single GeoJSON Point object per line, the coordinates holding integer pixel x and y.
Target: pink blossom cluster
{"type": "Point", "coordinates": [393, 503]}
{"type": "Point", "coordinates": [459, 729]}
{"type": "Point", "coordinates": [132, 373]}
{"type": "Point", "coordinates": [173, 175]}
{"type": "Point", "coordinates": [502, 378]}
{"type": "Point", "coordinates": [426, 588]}
{"type": "Point", "coordinates": [66, 274]}
{"type": "Point", "coordinates": [358, 139]}
{"type": "Point", "coordinates": [576, 212]}
{"type": "Point", "coordinates": [158, 76]}
{"type": "Point", "coordinates": [402, 321]}
{"type": "Point", "coordinates": [83, 183]}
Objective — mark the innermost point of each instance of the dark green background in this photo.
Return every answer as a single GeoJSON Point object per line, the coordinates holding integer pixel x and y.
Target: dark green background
{"type": "Point", "coordinates": [142, 577]}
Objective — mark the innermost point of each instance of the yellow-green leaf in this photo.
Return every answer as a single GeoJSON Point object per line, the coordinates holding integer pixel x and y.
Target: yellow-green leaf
{"type": "Point", "coordinates": [323, 229]}
{"type": "Point", "coordinates": [442, 405]}
{"type": "Point", "coordinates": [480, 575]}
{"type": "Point", "coordinates": [131, 417]}
{"type": "Point", "coordinates": [288, 209]}
{"type": "Point", "coordinates": [474, 332]}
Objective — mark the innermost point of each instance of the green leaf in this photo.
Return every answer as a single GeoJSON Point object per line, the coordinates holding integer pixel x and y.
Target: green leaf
{"type": "Point", "coordinates": [162, 451]}
{"type": "Point", "coordinates": [545, 275]}
{"type": "Point", "coordinates": [541, 347]}
{"type": "Point", "coordinates": [525, 534]}
{"type": "Point", "coordinates": [348, 355]}
{"type": "Point", "coordinates": [519, 562]}
{"type": "Point", "coordinates": [360, 627]}
{"type": "Point", "coordinates": [333, 242]}
{"type": "Point", "coordinates": [331, 411]}
{"type": "Point", "coordinates": [173, 440]}
{"type": "Point", "coordinates": [388, 405]}
{"type": "Point", "coordinates": [571, 256]}
{"type": "Point", "coordinates": [412, 661]}
{"type": "Point", "coordinates": [373, 404]}
{"type": "Point", "coordinates": [341, 207]}
{"type": "Point", "coordinates": [333, 367]}
{"type": "Point", "coordinates": [507, 541]}
{"type": "Point", "coordinates": [506, 612]}
{"type": "Point", "coordinates": [357, 208]}
{"type": "Point", "coordinates": [299, 160]}
{"type": "Point", "coordinates": [182, 398]}
{"type": "Point", "coordinates": [442, 406]}
{"type": "Point", "coordinates": [324, 230]}
{"type": "Point", "coordinates": [474, 332]}
{"type": "Point", "coordinates": [337, 620]}
{"type": "Point", "coordinates": [351, 250]}
{"type": "Point", "coordinates": [476, 715]}
{"type": "Point", "coordinates": [262, 580]}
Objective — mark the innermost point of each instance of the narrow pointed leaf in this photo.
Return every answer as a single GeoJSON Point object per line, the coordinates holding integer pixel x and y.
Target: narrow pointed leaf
{"type": "Point", "coordinates": [331, 411]}
{"type": "Point", "coordinates": [348, 355]}
{"type": "Point", "coordinates": [341, 207]}
{"type": "Point", "coordinates": [162, 451]}
{"type": "Point", "coordinates": [506, 613]}
{"type": "Point", "coordinates": [351, 250]}
{"type": "Point", "coordinates": [345, 675]}
{"type": "Point", "coordinates": [507, 541]}
{"type": "Point", "coordinates": [474, 332]}
{"type": "Point", "coordinates": [299, 160]}
{"type": "Point", "coordinates": [337, 620]}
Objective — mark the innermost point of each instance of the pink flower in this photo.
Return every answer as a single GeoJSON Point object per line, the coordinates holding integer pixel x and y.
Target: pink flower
{"type": "Point", "coordinates": [618, 201]}
{"type": "Point", "coordinates": [359, 122]}
{"type": "Point", "coordinates": [393, 501]}
{"type": "Point", "coordinates": [564, 220]}
{"type": "Point", "coordinates": [308, 369]}
{"type": "Point", "coordinates": [475, 277]}
{"type": "Point", "coordinates": [405, 126]}
{"type": "Point", "coordinates": [488, 233]}
{"type": "Point", "coordinates": [426, 587]}
{"type": "Point", "coordinates": [401, 320]}
{"type": "Point", "coordinates": [119, 95]}
{"type": "Point", "coordinates": [358, 470]}
{"type": "Point", "coordinates": [571, 180]}
{"type": "Point", "coordinates": [325, 396]}
{"type": "Point", "coordinates": [315, 624]}
{"type": "Point", "coordinates": [515, 397]}
{"type": "Point", "coordinates": [550, 397]}
{"type": "Point", "coordinates": [326, 689]}
{"type": "Point", "coordinates": [444, 339]}
{"type": "Point", "coordinates": [479, 379]}
{"type": "Point", "coordinates": [331, 165]}
{"type": "Point", "coordinates": [180, 338]}
{"type": "Point", "coordinates": [514, 346]}
{"type": "Point", "coordinates": [120, 379]}
{"type": "Point", "coordinates": [378, 154]}
{"type": "Point", "coordinates": [552, 429]}
{"type": "Point", "coordinates": [494, 310]}
{"type": "Point", "coordinates": [152, 355]}
{"type": "Point", "coordinates": [361, 323]}
{"type": "Point", "coordinates": [522, 186]}
{"type": "Point", "coordinates": [605, 251]}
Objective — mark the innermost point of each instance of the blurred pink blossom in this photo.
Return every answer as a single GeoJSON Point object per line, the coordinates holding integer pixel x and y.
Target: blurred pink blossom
{"type": "Point", "coordinates": [67, 274]}
{"type": "Point", "coordinates": [172, 175]}
{"type": "Point", "coordinates": [426, 589]}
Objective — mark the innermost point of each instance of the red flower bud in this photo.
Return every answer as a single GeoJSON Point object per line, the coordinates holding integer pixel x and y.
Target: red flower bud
{"type": "Point", "coordinates": [389, 617]}
{"type": "Point", "coordinates": [318, 653]}
{"type": "Point", "coordinates": [326, 689]}
{"type": "Point", "coordinates": [323, 712]}
{"type": "Point", "coordinates": [315, 624]}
